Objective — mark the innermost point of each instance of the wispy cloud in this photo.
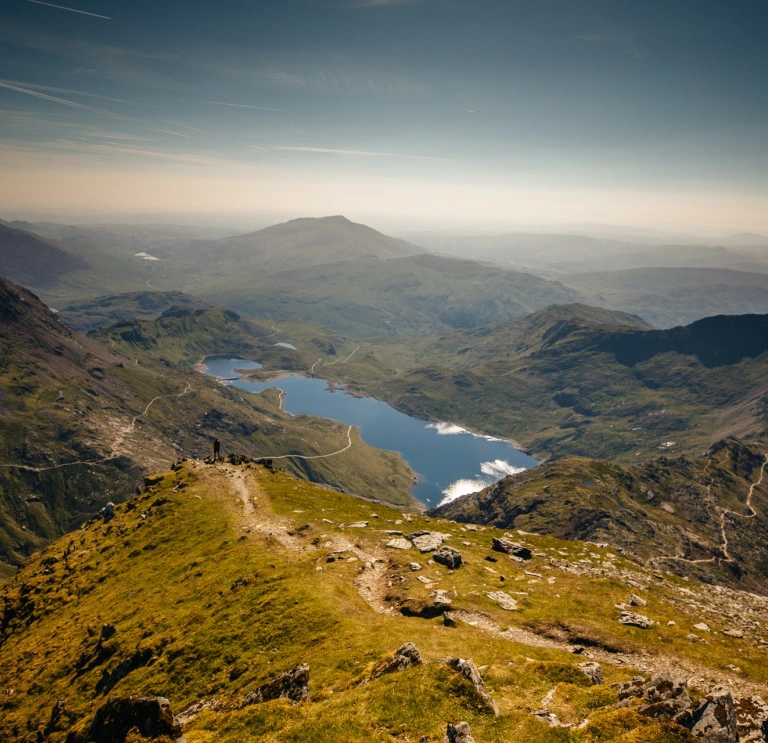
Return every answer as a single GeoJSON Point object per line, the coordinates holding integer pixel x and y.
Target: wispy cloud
{"type": "Point", "coordinates": [356, 153]}
{"type": "Point", "coordinates": [63, 101]}
{"type": "Point", "coordinates": [71, 10]}
{"type": "Point", "coordinates": [68, 91]}
{"type": "Point", "coordinates": [243, 105]}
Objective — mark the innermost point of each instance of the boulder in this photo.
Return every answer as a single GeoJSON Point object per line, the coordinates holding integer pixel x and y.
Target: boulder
{"type": "Point", "coordinates": [427, 541]}
{"type": "Point", "coordinates": [511, 548]}
{"type": "Point", "coordinates": [108, 512]}
{"type": "Point", "coordinates": [152, 717]}
{"type": "Point", "coordinates": [715, 719]}
{"type": "Point", "coordinates": [737, 633]}
{"type": "Point", "coordinates": [593, 671]}
{"type": "Point", "coordinates": [293, 685]}
{"type": "Point", "coordinates": [634, 620]}
{"type": "Point", "coordinates": [405, 656]}
{"type": "Point", "coordinates": [441, 597]}
{"type": "Point", "coordinates": [702, 627]}
{"type": "Point", "coordinates": [466, 667]}
{"type": "Point", "coordinates": [504, 600]}
{"type": "Point", "coordinates": [635, 600]}
{"type": "Point", "coordinates": [751, 719]}
{"type": "Point", "coordinates": [458, 732]}
{"type": "Point", "coordinates": [448, 556]}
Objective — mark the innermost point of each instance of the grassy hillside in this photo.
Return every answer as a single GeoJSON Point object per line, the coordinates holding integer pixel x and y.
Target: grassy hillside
{"type": "Point", "coordinates": [568, 381]}
{"type": "Point", "coordinates": [81, 423]}
{"type": "Point", "coordinates": [410, 296]}
{"type": "Point", "coordinates": [695, 516]}
{"type": "Point", "coordinates": [219, 578]}
{"type": "Point", "coordinates": [675, 296]}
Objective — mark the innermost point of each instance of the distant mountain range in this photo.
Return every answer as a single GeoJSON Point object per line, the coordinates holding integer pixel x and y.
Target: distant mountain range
{"type": "Point", "coordinates": [365, 283]}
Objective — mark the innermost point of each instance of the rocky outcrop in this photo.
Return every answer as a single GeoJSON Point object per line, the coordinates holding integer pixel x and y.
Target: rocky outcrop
{"type": "Point", "coordinates": [448, 556]}
{"type": "Point", "coordinates": [151, 716]}
{"type": "Point", "coordinates": [405, 656]}
{"type": "Point", "coordinates": [466, 667]}
{"type": "Point", "coordinates": [427, 541]}
{"type": "Point", "coordinates": [715, 719]}
{"type": "Point", "coordinates": [751, 719]}
{"type": "Point", "coordinates": [293, 685]}
{"type": "Point", "coordinates": [504, 600]}
{"type": "Point", "coordinates": [458, 732]}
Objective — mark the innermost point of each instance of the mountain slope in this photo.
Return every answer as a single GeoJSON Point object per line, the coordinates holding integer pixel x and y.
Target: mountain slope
{"type": "Point", "coordinates": [99, 312]}
{"type": "Point", "coordinates": [570, 381]}
{"type": "Point", "coordinates": [218, 579]}
{"type": "Point", "coordinates": [675, 296]}
{"type": "Point", "coordinates": [28, 259]}
{"type": "Point", "coordinates": [82, 423]}
{"type": "Point", "coordinates": [416, 295]}
{"type": "Point", "coordinates": [695, 516]}
{"type": "Point", "coordinates": [295, 244]}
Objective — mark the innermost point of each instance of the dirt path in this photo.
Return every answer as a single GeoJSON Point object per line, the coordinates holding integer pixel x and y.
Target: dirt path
{"type": "Point", "coordinates": [315, 456]}
{"type": "Point", "coordinates": [122, 433]}
{"type": "Point", "coordinates": [722, 514]}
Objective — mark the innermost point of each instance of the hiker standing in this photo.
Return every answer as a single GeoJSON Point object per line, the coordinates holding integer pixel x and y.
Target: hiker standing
{"type": "Point", "coordinates": [216, 449]}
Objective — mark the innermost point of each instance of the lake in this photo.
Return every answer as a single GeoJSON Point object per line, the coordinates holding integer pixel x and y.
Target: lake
{"type": "Point", "coordinates": [449, 460]}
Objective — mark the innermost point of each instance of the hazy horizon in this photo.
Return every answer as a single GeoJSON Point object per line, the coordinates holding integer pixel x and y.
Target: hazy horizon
{"type": "Point", "coordinates": [407, 114]}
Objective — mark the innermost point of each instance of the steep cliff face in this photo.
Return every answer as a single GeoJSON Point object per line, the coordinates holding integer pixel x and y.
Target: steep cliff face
{"type": "Point", "coordinates": [694, 516]}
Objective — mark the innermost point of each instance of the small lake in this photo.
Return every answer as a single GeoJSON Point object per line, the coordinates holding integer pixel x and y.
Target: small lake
{"type": "Point", "coordinates": [449, 460]}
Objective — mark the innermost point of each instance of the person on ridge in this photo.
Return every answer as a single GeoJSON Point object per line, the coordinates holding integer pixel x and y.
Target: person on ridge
{"type": "Point", "coordinates": [216, 449]}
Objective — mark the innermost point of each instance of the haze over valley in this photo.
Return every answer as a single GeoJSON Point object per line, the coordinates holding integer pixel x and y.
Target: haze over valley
{"type": "Point", "coordinates": [383, 371]}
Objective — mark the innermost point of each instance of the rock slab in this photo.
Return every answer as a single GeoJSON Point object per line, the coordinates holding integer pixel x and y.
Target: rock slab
{"type": "Point", "coordinates": [293, 685]}
{"type": "Point", "coordinates": [511, 548]}
{"type": "Point", "coordinates": [448, 556]}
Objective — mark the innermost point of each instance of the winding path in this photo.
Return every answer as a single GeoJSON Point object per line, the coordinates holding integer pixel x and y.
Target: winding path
{"type": "Point", "coordinates": [316, 456]}
{"type": "Point", "coordinates": [722, 513]}
{"type": "Point", "coordinates": [116, 444]}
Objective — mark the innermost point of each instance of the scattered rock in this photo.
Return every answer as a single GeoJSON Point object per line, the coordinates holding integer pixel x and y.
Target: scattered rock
{"type": "Point", "coordinates": [441, 598]}
{"type": "Point", "coordinates": [448, 556]}
{"type": "Point", "coordinates": [414, 566]}
{"type": "Point", "coordinates": [458, 732]}
{"type": "Point", "coordinates": [635, 600]}
{"type": "Point", "coordinates": [293, 685]}
{"type": "Point", "coordinates": [634, 620]}
{"type": "Point", "coordinates": [405, 656]}
{"type": "Point", "coordinates": [152, 717]}
{"type": "Point", "coordinates": [715, 719]}
{"type": "Point", "coordinates": [467, 668]}
{"type": "Point", "coordinates": [504, 600]}
{"type": "Point", "coordinates": [358, 525]}
{"type": "Point", "coordinates": [671, 623]}
{"type": "Point", "coordinates": [511, 548]}
{"type": "Point", "coordinates": [108, 512]}
{"type": "Point", "coordinates": [195, 709]}
{"type": "Point", "coordinates": [593, 671]}
{"type": "Point", "coordinates": [734, 633]}
{"type": "Point", "coordinates": [702, 627]}
{"type": "Point", "coordinates": [399, 544]}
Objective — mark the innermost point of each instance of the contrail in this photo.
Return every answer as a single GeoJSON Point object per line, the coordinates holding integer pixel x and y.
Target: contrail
{"type": "Point", "coordinates": [71, 10]}
{"type": "Point", "coordinates": [242, 105]}
{"type": "Point", "coordinates": [64, 101]}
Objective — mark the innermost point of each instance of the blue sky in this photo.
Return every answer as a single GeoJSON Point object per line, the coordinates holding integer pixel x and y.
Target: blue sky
{"type": "Point", "coordinates": [644, 112]}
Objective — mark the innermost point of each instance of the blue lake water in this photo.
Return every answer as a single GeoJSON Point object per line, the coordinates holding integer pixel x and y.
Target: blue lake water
{"type": "Point", "coordinates": [449, 460]}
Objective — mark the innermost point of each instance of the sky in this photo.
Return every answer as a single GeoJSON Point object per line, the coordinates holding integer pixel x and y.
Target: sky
{"type": "Point", "coordinates": [455, 113]}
